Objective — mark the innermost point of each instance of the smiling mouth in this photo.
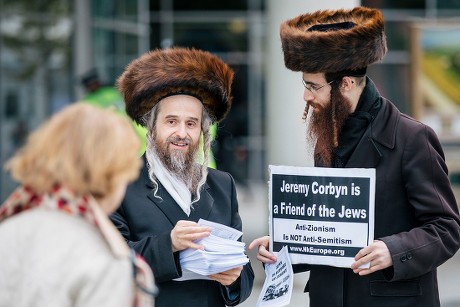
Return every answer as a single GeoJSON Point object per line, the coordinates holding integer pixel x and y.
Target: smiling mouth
{"type": "Point", "coordinates": [180, 144]}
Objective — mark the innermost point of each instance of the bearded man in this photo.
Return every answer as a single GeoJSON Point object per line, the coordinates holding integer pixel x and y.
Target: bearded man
{"type": "Point", "coordinates": [417, 224]}
{"type": "Point", "coordinates": [178, 94]}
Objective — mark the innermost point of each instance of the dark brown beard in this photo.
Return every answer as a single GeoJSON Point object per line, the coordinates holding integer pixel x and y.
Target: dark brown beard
{"type": "Point", "coordinates": [325, 126]}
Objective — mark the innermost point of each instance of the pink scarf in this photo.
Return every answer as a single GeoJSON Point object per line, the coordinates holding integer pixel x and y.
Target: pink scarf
{"type": "Point", "coordinates": [64, 200]}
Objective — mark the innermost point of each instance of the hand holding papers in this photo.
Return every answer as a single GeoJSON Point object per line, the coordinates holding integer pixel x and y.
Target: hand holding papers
{"type": "Point", "coordinates": [221, 252]}
{"type": "Point", "coordinates": [279, 278]}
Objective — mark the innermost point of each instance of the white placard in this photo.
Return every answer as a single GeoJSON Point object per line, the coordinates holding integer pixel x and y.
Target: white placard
{"type": "Point", "coordinates": [323, 215]}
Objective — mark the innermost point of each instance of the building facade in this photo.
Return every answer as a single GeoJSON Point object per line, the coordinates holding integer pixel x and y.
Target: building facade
{"type": "Point", "coordinates": [46, 47]}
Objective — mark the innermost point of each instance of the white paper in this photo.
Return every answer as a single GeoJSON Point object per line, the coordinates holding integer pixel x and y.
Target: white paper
{"type": "Point", "coordinates": [279, 279]}
{"type": "Point", "coordinates": [222, 252]}
{"type": "Point", "coordinates": [221, 231]}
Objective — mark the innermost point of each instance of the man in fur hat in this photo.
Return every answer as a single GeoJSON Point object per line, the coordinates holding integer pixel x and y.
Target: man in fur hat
{"type": "Point", "coordinates": [351, 125]}
{"type": "Point", "coordinates": [177, 93]}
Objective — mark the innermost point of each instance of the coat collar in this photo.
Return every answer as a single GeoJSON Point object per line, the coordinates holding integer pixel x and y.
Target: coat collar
{"type": "Point", "coordinates": [384, 126]}
{"type": "Point", "coordinates": [382, 131]}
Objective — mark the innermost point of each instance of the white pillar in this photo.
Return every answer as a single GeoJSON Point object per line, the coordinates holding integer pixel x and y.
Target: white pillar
{"type": "Point", "coordinates": [285, 138]}
{"type": "Point", "coordinates": [82, 42]}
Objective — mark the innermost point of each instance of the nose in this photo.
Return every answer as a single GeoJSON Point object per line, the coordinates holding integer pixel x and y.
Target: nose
{"type": "Point", "coordinates": [307, 95]}
{"type": "Point", "coordinates": [181, 131]}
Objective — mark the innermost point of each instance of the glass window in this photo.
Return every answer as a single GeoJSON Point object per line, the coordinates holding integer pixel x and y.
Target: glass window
{"type": "Point", "coordinates": [155, 37]}
{"type": "Point", "coordinates": [209, 5]}
{"type": "Point", "coordinates": [395, 4]}
{"type": "Point", "coordinates": [120, 9]}
{"type": "Point", "coordinates": [217, 37]}
{"type": "Point", "coordinates": [154, 5]}
{"type": "Point", "coordinates": [112, 52]}
{"type": "Point", "coordinates": [35, 79]}
{"type": "Point", "coordinates": [448, 4]}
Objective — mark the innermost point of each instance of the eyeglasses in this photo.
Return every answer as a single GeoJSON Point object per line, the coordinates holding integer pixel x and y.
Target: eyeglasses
{"type": "Point", "coordinates": [313, 89]}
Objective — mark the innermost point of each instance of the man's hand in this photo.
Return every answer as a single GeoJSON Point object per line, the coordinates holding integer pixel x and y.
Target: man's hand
{"type": "Point", "coordinates": [263, 246]}
{"type": "Point", "coordinates": [377, 254]}
{"type": "Point", "coordinates": [185, 232]}
{"type": "Point", "coordinates": [228, 277]}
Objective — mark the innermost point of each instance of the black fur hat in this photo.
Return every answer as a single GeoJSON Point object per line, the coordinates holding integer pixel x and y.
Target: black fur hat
{"type": "Point", "coordinates": [334, 40]}
{"type": "Point", "coordinates": [165, 72]}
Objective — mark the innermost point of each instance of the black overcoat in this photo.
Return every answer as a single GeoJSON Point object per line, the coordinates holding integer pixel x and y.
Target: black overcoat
{"type": "Point", "coordinates": [416, 215]}
{"type": "Point", "coordinates": [146, 221]}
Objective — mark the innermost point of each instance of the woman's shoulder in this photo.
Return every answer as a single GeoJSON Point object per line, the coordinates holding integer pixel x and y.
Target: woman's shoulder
{"type": "Point", "coordinates": [56, 232]}
{"type": "Point", "coordinates": [56, 250]}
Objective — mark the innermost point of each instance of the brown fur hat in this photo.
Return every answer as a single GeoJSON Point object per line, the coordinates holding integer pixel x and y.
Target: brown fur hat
{"type": "Point", "coordinates": [165, 72]}
{"type": "Point", "coordinates": [330, 46]}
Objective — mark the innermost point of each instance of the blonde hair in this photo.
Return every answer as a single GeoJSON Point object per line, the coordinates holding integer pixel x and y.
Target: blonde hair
{"type": "Point", "coordinates": [84, 148]}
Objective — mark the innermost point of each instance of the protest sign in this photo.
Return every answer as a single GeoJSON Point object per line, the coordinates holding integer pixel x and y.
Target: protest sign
{"type": "Point", "coordinates": [323, 215]}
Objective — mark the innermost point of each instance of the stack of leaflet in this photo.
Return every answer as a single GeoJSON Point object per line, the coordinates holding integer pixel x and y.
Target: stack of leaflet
{"type": "Point", "coordinates": [222, 252]}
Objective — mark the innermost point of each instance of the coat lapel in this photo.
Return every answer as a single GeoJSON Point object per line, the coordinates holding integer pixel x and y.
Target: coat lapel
{"type": "Point", "coordinates": [203, 207]}
{"type": "Point", "coordinates": [163, 200]}
{"type": "Point", "coordinates": [379, 133]}
{"type": "Point", "coordinates": [366, 154]}
{"type": "Point", "coordinates": [171, 209]}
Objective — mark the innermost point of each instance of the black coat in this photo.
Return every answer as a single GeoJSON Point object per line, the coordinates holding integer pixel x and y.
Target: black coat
{"type": "Point", "coordinates": [146, 222]}
{"type": "Point", "coordinates": [416, 215]}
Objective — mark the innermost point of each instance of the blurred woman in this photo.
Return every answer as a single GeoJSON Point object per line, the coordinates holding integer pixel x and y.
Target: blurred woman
{"type": "Point", "coordinates": [57, 246]}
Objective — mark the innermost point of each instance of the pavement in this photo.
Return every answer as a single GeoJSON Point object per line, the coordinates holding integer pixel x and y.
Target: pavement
{"type": "Point", "coordinates": [253, 206]}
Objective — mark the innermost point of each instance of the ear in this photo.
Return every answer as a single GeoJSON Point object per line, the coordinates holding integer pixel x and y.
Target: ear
{"type": "Point", "coordinates": [347, 83]}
